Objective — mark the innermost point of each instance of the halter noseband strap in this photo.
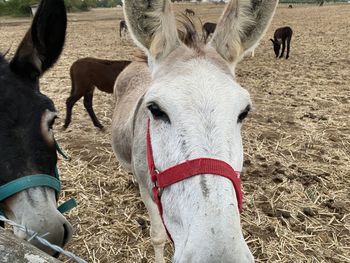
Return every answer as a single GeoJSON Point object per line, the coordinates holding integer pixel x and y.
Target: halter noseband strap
{"type": "Point", "coordinates": [188, 169]}
{"type": "Point", "coordinates": [34, 180]}
{"type": "Point", "coordinates": [28, 181]}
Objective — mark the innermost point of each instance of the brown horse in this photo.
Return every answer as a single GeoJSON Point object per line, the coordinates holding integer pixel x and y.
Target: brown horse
{"type": "Point", "coordinates": [86, 74]}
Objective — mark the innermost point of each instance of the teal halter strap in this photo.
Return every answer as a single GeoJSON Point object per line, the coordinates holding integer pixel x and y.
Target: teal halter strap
{"type": "Point", "coordinates": [59, 150]}
{"type": "Point", "coordinates": [26, 182]}
{"type": "Point", "coordinates": [34, 180]}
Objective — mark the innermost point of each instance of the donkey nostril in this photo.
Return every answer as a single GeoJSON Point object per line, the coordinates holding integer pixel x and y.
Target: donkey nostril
{"type": "Point", "coordinates": [65, 234]}
{"type": "Point", "coordinates": [64, 240]}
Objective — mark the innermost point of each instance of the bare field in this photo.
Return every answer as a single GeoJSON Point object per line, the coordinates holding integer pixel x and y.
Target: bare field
{"type": "Point", "coordinates": [296, 178]}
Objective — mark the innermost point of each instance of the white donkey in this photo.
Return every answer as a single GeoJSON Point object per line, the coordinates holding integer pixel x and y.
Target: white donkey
{"type": "Point", "coordinates": [187, 105]}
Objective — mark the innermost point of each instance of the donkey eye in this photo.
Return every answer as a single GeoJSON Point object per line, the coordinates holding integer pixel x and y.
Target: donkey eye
{"type": "Point", "coordinates": [243, 114]}
{"type": "Point", "coordinates": [51, 122]}
{"type": "Point", "coordinates": [157, 113]}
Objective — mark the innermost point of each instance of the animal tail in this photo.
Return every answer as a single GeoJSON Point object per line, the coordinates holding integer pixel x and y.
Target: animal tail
{"type": "Point", "coordinates": [7, 51]}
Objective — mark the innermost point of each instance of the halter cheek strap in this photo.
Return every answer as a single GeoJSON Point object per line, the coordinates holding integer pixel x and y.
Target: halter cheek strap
{"type": "Point", "coordinates": [188, 169]}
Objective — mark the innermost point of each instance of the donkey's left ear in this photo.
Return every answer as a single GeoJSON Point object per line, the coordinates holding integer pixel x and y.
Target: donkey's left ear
{"type": "Point", "coordinates": [43, 43]}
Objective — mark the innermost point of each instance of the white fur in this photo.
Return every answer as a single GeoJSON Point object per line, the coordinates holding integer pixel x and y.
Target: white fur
{"type": "Point", "coordinates": [197, 90]}
{"type": "Point", "coordinates": [204, 228]}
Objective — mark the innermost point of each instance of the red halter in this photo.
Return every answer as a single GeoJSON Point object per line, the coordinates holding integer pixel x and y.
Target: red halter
{"type": "Point", "coordinates": [188, 169]}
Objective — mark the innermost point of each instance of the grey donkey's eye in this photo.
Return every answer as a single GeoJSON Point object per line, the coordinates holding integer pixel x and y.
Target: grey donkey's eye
{"type": "Point", "coordinates": [52, 122]}
{"type": "Point", "coordinates": [157, 112]}
{"type": "Point", "coordinates": [243, 114]}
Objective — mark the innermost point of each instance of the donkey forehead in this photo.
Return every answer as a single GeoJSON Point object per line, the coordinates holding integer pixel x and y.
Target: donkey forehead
{"type": "Point", "coordinates": [23, 93]}
{"type": "Point", "coordinates": [23, 113]}
{"type": "Point", "coordinates": [196, 75]}
{"type": "Point", "coordinates": [181, 60]}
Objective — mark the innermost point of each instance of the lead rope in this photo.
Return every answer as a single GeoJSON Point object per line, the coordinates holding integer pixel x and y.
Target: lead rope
{"type": "Point", "coordinates": [34, 235]}
{"type": "Point", "coordinates": [61, 152]}
{"type": "Point", "coordinates": [71, 203]}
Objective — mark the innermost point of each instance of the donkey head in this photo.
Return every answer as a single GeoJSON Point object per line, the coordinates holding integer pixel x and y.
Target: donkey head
{"type": "Point", "coordinates": [276, 46]}
{"type": "Point", "coordinates": [196, 109]}
{"type": "Point", "coordinates": [26, 120]}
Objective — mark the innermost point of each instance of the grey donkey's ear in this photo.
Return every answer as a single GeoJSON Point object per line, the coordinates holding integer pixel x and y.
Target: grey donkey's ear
{"type": "Point", "coordinates": [241, 27]}
{"type": "Point", "coordinates": [152, 26]}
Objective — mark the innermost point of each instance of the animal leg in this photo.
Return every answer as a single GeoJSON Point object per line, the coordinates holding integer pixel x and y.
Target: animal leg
{"type": "Point", "coordinates": [69, 106]}
{"type": "Point", "coordinates": [283, 48]}
{"type": "Point", "coordinates": [158, 234]}
{"type": "Point", "coordinates": [88, 106]}
{"type": "Point", "coordinates": [288, 47]}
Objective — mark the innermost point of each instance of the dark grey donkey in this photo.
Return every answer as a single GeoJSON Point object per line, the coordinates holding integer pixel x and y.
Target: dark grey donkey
{"type": "Point", "coordinates": [27, 144]}
{"type": "Point", "coordinates": [282, 36]}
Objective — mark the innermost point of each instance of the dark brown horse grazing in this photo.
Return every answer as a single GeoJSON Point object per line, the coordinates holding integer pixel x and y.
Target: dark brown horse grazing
{"type": "Point", "coordinates": [189, 12]}
{"type": "Point", "coordinates": [86, 74]}
{"type": "Point", "coordinates": [282, 36]}
{"type": "Point", "coordinates": [207, 29]}
{"type": "Point", "coordinates": [27, 145]}
{"type": "Point", "coordinates": [122, 27]}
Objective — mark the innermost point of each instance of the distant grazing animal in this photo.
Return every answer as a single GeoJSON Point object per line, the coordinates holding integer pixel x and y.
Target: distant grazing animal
{"type": "Point", "coordinates": [177, 126]}
{"type": "Point", "coordinates": [122, 27]}
{"type": "Point", "coordinates": [207, 29]}
{"type": "Point", "coordinates": [86, 74]}
{"type": "Point", "coordinates": [189, 12]}
{"type": "Point", "coordinates": [290, 6]}
{"type": "Point", "coordinates": [282, 36]}
{"type": "Point", "coordinates": [28, 157]}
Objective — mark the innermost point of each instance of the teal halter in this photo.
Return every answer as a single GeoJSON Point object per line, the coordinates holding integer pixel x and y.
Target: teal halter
{"type": "Point", "coordinates": [34, 180]}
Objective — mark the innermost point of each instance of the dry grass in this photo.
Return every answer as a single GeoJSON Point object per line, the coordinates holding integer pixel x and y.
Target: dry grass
{"type": "Point", "coordinates": [297, 142]}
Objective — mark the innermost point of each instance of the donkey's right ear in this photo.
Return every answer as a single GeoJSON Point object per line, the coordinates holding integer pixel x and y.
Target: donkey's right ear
{"type": "Point", "coordinates": [241, 26]}
{"type": "Point", "coordinates": [272, 40]}
{"type": "Point", "coordinates": [153, 27]}
{"type": "Point", "coordinates": [43, 43]}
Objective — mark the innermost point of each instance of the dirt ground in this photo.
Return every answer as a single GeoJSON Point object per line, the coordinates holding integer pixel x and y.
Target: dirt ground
{"type": "Point", "coordinates": [297, 141]}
